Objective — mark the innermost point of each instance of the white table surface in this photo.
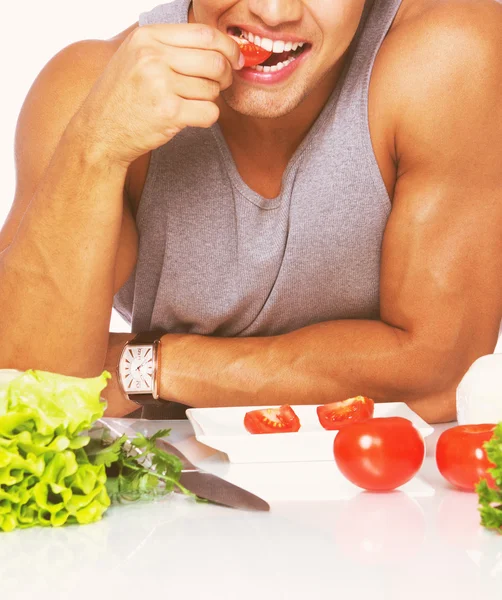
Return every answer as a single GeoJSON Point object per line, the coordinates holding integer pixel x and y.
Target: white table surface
{"type": "Point", "coordinates": [322, 538]}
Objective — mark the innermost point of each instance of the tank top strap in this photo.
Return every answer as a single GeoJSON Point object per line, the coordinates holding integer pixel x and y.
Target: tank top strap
{"type": "Point", "coordinates": [352, 107]}
{"type": "Point", "coordinates": [171, 12]}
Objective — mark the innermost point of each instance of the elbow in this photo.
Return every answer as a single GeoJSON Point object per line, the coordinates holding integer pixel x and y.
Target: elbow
{"type": "Point", "coordinates": [439, 361]}
{"type": "Point", "coordinates": [436, 358]}
{"type": "Point", "coordinates": [437, 407]}
{"type": "Point", "coordinates": [437, 373]}
{"type": "Point", "coordinates": [36, 357]}
{"type": "Point", "coordinates": [442, 372]}
{"type": "Point", "coordinates": [68, 369]}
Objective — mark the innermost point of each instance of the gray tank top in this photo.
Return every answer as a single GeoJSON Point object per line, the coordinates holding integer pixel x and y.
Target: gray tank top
{"type": "Point", "coordinates": [216, 258]}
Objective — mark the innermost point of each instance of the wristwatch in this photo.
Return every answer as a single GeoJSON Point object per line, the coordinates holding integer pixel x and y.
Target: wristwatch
{"type": "Point", "coordinates": [137, 371]}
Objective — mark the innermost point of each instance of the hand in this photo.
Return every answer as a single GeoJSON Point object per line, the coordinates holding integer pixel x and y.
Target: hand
{"type": "Point", "coordinates": [162, 79]}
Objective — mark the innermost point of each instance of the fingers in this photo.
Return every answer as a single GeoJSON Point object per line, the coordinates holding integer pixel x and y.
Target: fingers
{"type": "Point", "coordinates": [196, 88]}
{"type": "Point", "coordinates": [197, 113]}
{"type": "Point", "coordinates": [197, 36]}
{"type": "Point", "coordinates": [208, 65]}
{"type": "Point", "coordinates": [185, 67]}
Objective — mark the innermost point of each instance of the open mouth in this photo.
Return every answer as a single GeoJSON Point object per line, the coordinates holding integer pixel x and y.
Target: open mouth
{"type": "Point", "coordinates": [283, 52]}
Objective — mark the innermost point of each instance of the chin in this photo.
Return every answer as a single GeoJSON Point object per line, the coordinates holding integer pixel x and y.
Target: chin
{"type": "Point", "coordinates": [261, 105]}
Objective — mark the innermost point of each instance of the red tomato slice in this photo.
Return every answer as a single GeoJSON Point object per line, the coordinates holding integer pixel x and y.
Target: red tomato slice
{"type": "Point", "coordinates": [379, 454]}
{"type": "Point", "coordinates": [272, 420]}
{"type": "Point", "coordinates": [253, 54]}
{"type": "Point", "coordinates": [339, 414]}
{"type": "Point", "coordinates": [461, 457]}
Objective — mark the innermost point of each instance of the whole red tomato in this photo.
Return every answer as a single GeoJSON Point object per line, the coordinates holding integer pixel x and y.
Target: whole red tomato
{"type": "Point", "coordinates": [461, 457]}
{"type": "Point", "coordinates": [379, 454]}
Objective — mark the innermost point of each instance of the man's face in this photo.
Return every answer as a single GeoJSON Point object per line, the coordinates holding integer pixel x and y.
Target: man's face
{"type": "Point", "coordinates": [324, 27]}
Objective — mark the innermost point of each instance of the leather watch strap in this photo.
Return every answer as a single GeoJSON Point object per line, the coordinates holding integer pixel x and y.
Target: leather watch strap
{"type": "Point", "coordinates": [167, 410]}
{"type": "Point", "coordinates": [147, 337]}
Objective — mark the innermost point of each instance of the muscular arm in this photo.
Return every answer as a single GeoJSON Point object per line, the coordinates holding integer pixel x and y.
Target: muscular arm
{"type": "Point", "coordinates": [70, 240]}
{"type": "Point", "coordinates": [67, 243]}
{"type": "Point", "coordinates": [441, 298]}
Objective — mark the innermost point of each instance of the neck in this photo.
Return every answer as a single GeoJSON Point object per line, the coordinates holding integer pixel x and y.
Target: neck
{"type": "Point", "coordinates": [279, 137]}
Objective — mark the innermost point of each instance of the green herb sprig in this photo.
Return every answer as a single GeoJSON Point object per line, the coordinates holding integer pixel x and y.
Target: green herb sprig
{"type": "Point", "coordinates": [137, 469]}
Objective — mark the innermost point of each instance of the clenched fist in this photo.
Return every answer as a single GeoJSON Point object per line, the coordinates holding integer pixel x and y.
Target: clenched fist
{"type": "Point", "coordinates": [162, 79]}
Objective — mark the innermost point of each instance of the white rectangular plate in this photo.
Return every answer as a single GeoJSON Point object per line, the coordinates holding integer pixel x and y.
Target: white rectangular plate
{"type": "Point", "coordinates": [223, 429]}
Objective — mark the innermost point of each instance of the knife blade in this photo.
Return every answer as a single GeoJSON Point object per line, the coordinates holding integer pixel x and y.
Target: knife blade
{"type": "Point", "coordinates": [211, 487]}
{"type": "Point", "coordinates": [217, 490]}
{"type": "Point", "coordinates": [199, 482]}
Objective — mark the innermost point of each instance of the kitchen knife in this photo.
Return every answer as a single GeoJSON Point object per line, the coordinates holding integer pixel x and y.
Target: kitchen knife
{"type": "Point", "coordinates": [199, 482]}
{"type": "Point", "coordinates": [211, 487]}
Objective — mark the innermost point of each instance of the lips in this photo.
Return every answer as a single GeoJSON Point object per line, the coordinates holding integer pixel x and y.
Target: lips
{"type": "Point", "coordinates": [271, 75]}
{"type": "Point", "coordinates": [276, 46]}
{"type": "Point", "coordinates": [284, 51]}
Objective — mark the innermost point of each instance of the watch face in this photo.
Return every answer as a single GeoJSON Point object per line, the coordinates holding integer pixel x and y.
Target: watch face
{"type": "Point", "coordinates": [137, 369]}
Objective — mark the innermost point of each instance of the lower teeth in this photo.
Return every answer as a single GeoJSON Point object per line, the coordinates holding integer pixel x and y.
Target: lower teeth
{"type": "Point", "coordinates": [275, 68]}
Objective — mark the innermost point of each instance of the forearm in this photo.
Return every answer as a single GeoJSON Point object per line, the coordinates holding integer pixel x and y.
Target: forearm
{"type": "Point", "coordinates": [57, 275]}
{"type": "Point", "coordinates": [315, 365]}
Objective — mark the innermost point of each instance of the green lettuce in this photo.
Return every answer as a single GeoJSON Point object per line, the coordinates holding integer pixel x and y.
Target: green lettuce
{"type": "Point", "coordinates": [46, 477]}
{"type": "Point", "coordinates": [490, 500]}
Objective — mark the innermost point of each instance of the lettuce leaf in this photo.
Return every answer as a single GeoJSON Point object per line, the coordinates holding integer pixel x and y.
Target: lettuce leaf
{"type": "Point", "coordinates": [46, 477]}
{"type": "Point", "coordinates": [48, 404]}
{"type": "Point", "coordinates": [490, 500]}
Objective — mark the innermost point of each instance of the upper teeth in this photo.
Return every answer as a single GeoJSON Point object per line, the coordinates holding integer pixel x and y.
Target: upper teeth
{"type": "Point", "coordinates": [277, 46]}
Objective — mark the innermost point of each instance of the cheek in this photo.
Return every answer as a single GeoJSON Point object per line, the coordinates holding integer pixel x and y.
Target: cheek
{"type": "Point", "coordinates": [338, 21]}
{"type": "Point", "coordinates": [210, 11]}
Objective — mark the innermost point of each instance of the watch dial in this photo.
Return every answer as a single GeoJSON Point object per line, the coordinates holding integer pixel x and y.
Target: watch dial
{"type": "Point", "coordinates": [136, 369]}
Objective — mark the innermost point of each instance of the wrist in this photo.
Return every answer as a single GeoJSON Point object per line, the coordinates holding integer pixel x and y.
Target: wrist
{"type": "Point", "coordinates": [172, 347]}
{"type": "Point", "coordinates": [89, 148]}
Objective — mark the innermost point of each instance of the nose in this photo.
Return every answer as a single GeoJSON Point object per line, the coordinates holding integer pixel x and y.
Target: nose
{"type": "Point", "coordinates": [276, 12]}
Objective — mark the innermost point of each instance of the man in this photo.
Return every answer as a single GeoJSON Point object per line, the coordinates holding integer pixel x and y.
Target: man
{"type": "Point", "coordinates": [324, 225]}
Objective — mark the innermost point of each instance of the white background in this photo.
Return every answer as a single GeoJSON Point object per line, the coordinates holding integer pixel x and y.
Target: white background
{"type": "Point", "coordinates": [33, 31]}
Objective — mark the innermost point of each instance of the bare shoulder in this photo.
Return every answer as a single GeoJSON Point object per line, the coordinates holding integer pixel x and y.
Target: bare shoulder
{"type": "Point", "coordinates": [53, 99]}
{"type": "Point", "coordinates": [440, 65]}
{"type": "Point", "coordinates": [92, 54]}
{"type": "Point", "coordinates": [443, 43]}
{"type": "Point", "coordinates": [424, 28]}
{"type": "Point", "coordinates": [78, 65]}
